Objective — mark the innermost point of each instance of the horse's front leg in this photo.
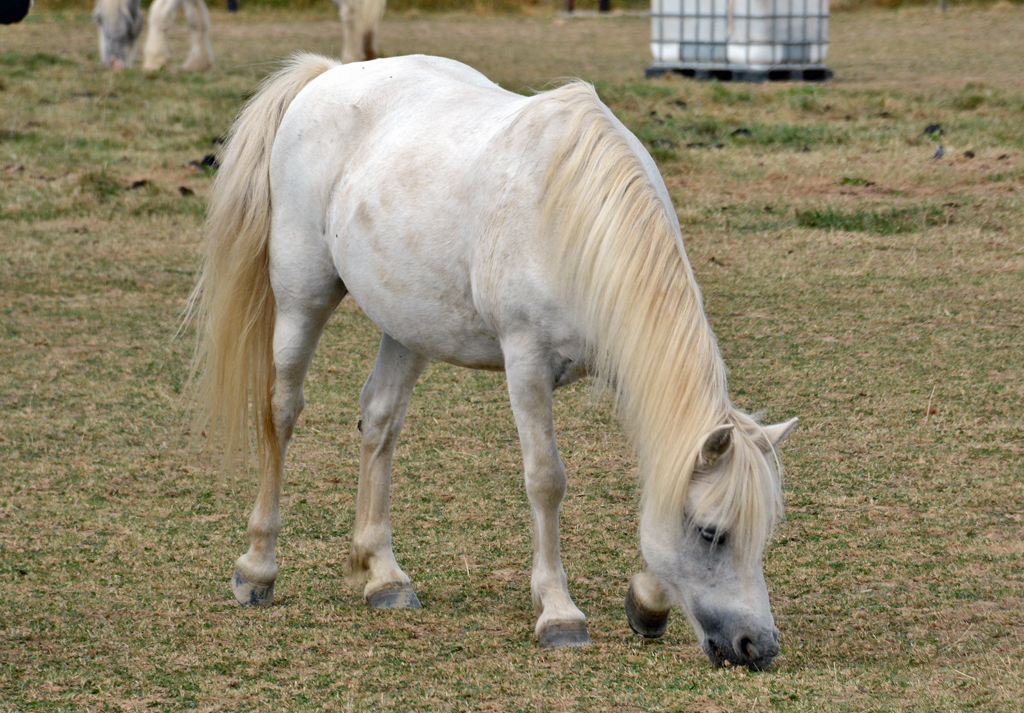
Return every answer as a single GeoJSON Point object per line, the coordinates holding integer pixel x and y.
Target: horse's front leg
{"type": "Point", "coordinates": [161, 15]}
{"type": "Point", "coordinates": [383, 401]}
{"type": "Point", "coordinates": [530, 383]}
{"type": "Point", "coordinates": [648, 602]}
{"type": "Point", "coordinates": [200, 56]}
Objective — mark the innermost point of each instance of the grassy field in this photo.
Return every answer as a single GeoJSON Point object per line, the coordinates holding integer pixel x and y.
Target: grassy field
{"type": "Point", "coordinates": [852, 281]}
{"type": "Point", "coordinates": [526, 7]}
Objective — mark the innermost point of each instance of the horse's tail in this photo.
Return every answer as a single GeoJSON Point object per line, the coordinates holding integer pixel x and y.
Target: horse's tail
{"type": "Point", "coordinates": [232, 302]}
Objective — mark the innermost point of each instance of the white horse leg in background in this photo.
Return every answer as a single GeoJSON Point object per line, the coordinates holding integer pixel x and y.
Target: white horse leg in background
{"type": "Point", "coordinates": [161, 15]}
{"type": "Point", "coordinates": [120, 24]}
{"type": "Point", "coordinates": [200, 56]}
{"type": "Point", "coordinates": [359, 22]}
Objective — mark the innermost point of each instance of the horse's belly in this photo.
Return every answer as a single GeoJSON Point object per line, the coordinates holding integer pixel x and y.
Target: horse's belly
{"type": "Point", "coordinates": [438, 324]}
{"type": "Point", "coordinates": [405, 255]}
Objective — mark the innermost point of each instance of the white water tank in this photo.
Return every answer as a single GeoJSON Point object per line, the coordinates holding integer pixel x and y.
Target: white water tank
{"type": "Point", "coordinates": [758, 34]}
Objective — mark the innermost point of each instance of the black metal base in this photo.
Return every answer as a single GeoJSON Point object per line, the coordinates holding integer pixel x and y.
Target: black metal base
{"type": "Point", "coordinates": [742, 73]}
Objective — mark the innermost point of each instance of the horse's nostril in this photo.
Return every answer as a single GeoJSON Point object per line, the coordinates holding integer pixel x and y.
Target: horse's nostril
{"type": "Point", "coordinates": [748, 649]}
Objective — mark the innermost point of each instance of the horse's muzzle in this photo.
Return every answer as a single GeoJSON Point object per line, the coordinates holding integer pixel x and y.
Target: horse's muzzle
{"type": "Point", "coordinates": [755, 650]}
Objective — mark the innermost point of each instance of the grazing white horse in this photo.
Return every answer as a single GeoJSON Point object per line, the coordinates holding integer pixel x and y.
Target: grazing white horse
{"type": "Point", "coordinates": [120, 24]}
{"type": "Point", "coordinates": [492, 231]}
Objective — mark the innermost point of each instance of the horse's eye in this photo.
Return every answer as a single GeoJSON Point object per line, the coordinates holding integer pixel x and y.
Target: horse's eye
{"type": "Point", "coordinates": [711, 535]}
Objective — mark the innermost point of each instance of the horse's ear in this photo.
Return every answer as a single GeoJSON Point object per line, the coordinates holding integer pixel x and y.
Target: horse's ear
{"type": "Point", "coordinates": [715, 444]}
{"type": "Point", "coordinates": [777, 432]}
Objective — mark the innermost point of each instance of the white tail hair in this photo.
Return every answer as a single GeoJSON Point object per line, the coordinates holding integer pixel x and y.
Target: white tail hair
{"type": "Point", "coordinates": [233, 368]}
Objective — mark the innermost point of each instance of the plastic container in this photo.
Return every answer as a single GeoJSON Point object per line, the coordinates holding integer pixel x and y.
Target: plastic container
{"type": "Point", "coordinates": [754, 33]}
{"type": "Point", "coordinates": [773, 32]}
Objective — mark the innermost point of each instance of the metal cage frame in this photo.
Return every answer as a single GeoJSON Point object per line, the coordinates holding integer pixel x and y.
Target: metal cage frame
{"type": "Point", "coordinates": [731, 40]}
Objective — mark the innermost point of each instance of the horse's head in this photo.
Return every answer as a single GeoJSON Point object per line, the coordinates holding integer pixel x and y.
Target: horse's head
{"type": "Point", "coordinates": [120, 24]}
{"type": "Point", "coordinates": [707, 559]}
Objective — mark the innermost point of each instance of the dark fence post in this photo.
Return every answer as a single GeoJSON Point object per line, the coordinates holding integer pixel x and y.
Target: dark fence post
{"type": "Point", "coordinates": [605, 5]}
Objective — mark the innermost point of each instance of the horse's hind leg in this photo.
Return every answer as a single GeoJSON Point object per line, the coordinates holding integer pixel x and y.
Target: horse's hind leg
{"type": "Point", "coordinates": [200, 56]}
{"type": "Point", "coordinates": [560, 622]}
{"type": "Point", "coordinates": [303, 307]}
{"type": "Point", "coordinates": [383, 401]}
{"type": "Point", "coordinates": [161, 15]}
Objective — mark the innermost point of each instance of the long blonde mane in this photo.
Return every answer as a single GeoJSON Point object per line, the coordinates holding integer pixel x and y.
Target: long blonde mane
{"type": "Point", "coordinates": [623, 269]}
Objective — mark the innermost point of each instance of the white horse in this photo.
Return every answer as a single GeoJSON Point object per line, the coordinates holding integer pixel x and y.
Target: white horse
{"type": "Point", "coordinates": [120, 24]}
{"type": "Point", "coordinates": [491, 231]}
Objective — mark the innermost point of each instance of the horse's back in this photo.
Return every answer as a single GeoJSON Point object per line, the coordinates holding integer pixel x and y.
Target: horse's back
{"type": "Point", "coordinates": [412, 69]}
{"type": "Point", "coordinates": [386, 86]}
{"type": "Point", "coordinates": [357, 116]}
{"type": "Point", "coordinates": [420, 182]}
{"type": "Point", "coordinates": [384, 172]}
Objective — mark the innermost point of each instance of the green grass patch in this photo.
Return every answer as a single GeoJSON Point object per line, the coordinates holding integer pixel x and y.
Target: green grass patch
{"type": "Point", "coordinates": [33, 61]}
{"type": "Point", "coordinates": [101, 185]}
{"type": "Point", "coordinates": [888, 221]}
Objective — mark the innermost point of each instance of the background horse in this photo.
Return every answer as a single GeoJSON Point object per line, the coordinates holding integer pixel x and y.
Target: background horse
{"type": "Point", "coordinates": [120, 24]}
{"type": "Point", "coordinates": [491, 231]}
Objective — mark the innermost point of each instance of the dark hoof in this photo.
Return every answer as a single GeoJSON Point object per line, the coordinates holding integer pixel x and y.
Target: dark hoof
{"type": "Point", "coordinates": [251, 594]}
{"type": "Point", "coordinates": [648, 624]}
{"type": "Point", "coordinates": [562, 635]}
{"type": "Point", "coordinates": [394, 596]}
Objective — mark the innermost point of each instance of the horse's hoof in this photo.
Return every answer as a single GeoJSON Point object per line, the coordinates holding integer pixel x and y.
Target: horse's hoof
{"type": "Point", "coordinates": [394, 596]}
{"type": "Point", "coordinates": [648, 624]}
{"type": "Point", "coordinates": [251, 594]}
{"type": "Point", "coordinates": [564, 634]}
{"type": "Point", "coordinates": [196, 66]}
{"type": "Point", "coordinates": [154, 64]}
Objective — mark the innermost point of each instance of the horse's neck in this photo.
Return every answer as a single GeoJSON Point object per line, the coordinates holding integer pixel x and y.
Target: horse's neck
{"type": "Point", "coordinates": [671, 374]}
{"type": "Point", "coordinates": [621, 266]}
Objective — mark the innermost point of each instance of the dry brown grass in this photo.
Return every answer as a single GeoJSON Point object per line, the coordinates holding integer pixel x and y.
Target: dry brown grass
{"type": "Point", "coordinates": [897, 579]}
